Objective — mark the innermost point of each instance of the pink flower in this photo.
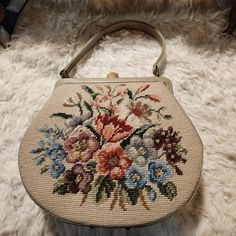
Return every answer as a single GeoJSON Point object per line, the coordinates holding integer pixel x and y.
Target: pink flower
{"type": "Point", "coordinates": [111, 128]}
{"type": "Point", "coordinates": [112, 161]}
{"type": "Point", "coordinates": [80, 146]}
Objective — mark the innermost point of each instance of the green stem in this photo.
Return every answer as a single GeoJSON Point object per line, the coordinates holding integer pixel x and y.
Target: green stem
{"type": "Point", "coordinates": [143, 96]}
{"type": "Point", "coordinates": [157, 111]}
{"type": "Point", "coordinates": [163, 153]}
{"type": "Point", "coordinates": [80, 108]}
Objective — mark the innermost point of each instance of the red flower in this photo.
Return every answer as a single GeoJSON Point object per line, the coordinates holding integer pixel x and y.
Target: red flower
{"type": "Point", "coordinates": [113, 162]}
{"type": "Point", "coordinates": [111, 128]}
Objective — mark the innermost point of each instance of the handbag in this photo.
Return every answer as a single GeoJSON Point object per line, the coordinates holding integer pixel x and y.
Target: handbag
{"type": "Point", "coordinates": [112, 152]}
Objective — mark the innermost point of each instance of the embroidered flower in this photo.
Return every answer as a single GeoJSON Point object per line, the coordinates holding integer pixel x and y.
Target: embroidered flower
{"type": "Point", "coordinates": [112, 161]}
{"type": "Point", "coordinates": [51, 133]}
{"type": "Point", "coordinates": [111, 128]}
{"type": "Point", "coordinates": [56, 152]}
{"type": "Point", "coordinates": [77, 120]}
{"type": "Point", "coordinates": [135, 178]}
{"type": "Point", "coordinates": [159, 172]}
{"type": "Point", "coordinates": [141, 150]}
{"type": "Point", "coordinates": [80, 146]}
{"type": "Point", "coordinates": [78, 179]}
{"type": "Point", "coordinates": [140, 110]}
{"type": "Point", "coordinates": [130, 163]}
{"type": "Point", "coordinates": [56, 168]}
{"type": "Point", "coordinates": [168, 140]}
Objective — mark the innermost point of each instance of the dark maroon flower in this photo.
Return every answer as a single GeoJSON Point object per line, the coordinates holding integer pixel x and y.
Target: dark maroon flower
{"type": "Point", "coordinates": [78, 179]}
{"type": "Point", "coordinates": [169, 141]}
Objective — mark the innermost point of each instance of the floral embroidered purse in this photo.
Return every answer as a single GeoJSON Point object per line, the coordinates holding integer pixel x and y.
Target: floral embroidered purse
{"type": "Point", "coordinates": [115, 152]}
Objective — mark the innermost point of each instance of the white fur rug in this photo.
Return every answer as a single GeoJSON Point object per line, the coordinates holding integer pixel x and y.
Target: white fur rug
{"type": "Point", "coordinates": [201, 65]}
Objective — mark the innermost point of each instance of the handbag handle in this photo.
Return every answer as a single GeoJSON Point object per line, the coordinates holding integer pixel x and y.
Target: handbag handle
{"type": "Point", "coordinates": [130, 25]}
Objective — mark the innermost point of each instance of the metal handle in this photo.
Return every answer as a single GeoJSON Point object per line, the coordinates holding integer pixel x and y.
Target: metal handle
{"type": "Point", "coordinates": [128, 24]}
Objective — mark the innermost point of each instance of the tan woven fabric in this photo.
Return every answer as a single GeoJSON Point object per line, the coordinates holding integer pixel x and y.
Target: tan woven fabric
{"type": "Point", "coordinates": [145, 179]}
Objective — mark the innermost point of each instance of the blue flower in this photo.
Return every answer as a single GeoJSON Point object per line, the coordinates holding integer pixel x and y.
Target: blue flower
{"type": "Point", "coordinates": [159, 172]}
{"type": "Point", "coordinates": [56, 152]}
{"type": "Point", "coordinates": [56, 168]}
{"type": "Point", "coordinates": [52, 133]}
{"type": "Point", "coordinates": [135, 178]}
{"type": "Point", "coordinates": [141, 150]}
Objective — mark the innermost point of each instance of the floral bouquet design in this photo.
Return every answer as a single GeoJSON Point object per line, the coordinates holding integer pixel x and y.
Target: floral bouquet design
{"type": "Point", "coordinates": [112, 146]}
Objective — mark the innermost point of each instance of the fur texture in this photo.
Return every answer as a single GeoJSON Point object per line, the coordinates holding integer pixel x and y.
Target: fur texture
{"type": "Point", "coordinates": [201, 64]}
{"type": "Point", "coordinates": [153, 5]}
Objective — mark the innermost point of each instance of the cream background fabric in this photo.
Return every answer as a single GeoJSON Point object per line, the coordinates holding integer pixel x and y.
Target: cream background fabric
{"type": "Point", "coordinates": [68, 207]}
{"type": "Point", "coordinates": [201, 65]}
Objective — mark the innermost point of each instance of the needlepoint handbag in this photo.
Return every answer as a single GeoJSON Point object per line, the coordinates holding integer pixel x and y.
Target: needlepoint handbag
{"type": "Point", "coordinates": [112, 152]}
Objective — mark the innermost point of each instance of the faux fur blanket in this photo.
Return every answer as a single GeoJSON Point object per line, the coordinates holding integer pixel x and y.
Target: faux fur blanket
{"type": "Point", "coordinates": [201, 64]}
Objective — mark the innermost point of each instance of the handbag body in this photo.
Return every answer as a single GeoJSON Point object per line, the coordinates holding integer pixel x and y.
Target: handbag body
{"type": "Point", "coordinates": [116, 152]}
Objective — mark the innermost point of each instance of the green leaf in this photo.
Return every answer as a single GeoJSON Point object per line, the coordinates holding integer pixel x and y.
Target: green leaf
{"type": "Point", "coordinates": [178, 170]}
{"type": "Point", "coordinates": [169, 189]}
{"type": "Point", "coordinates": [89, 107]}
{"type": "Point", "coordinates": [91, 166]}
{"type": "Point", "coordinates": [130, 94]}
{"type": "Point", "coordinates": [37, 150]}
{"type": "Point", "coordinates": [106, 185]}
{"type": "Point", "coordinates": [106, 110]}
{"type": "Point", "coordinates": [97, 135]}
{"type": "Point", "coordinates": [140, 132]}
{"type": "Point", "coordinates": [90, 91]}
{"type": "Point", "coordinates": [99, 193]}
{"type": "Point", "coordinates": [133, 195]}
{"type": "Point", "coordinates": [87, 89]}
{"type": "Point", "coordinates": [109, 186]}
{"type": "Point", "coordinates": [100, 189]}
{"type": "Point", "coordinates": [98, 180]}
{"type": "Point", "coordinates": [148, 188]}
{"type": "Point", "coordinates": [80, 108]}
{"type": "Point", "coordinates": [61, 115]}
{"type": "Point", "coordinates": [168, 117]}
{"type": "Point", "coordinates": [120, 101]}
{"type": "Point", "coordinates": [60, 189]}
{"type": "Point", "coordinates": [44, 169]}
